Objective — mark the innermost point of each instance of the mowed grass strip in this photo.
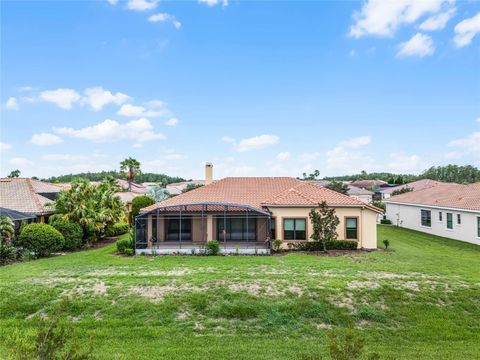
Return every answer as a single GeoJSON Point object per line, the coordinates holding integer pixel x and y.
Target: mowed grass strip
{"type": "Point", "coordinates": [420, 300]}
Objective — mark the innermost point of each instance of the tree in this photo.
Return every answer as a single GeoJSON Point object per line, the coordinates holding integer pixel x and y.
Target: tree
{"type": "Point", "coordinates": [140, 202]}
{"type": "Point", "coordinates": [403, 190]}
{"type": "Point", "coordinates": [158, 193]}
{"type": "Point", "coordinates": [325, 222]}
{"type": "Point", "coordinates": [93, 207]}
{"type": "Point", "coordinates": [191, 187]}
{"type": "Point", "coordinates": [131, 167]}
{"type": "Point", "coordinates": [313, 176]}
{"type": "Point", "coordinates": [14, 174]}
{"type": "Point", "coordinates": [338, 186]}
{"type": "Point", "coordinates": [7, 228]}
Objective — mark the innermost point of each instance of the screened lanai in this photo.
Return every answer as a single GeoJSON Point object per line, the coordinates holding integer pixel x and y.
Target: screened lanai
{"type": "Point", "coordinates": [185, 228]}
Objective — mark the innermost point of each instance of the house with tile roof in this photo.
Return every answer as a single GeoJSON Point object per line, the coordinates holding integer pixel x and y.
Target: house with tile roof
{"type": "Point", "coordinates": [245, 213]}
{"type": "Point", "coordinates": [386, 192]}
{"type": "Point", "coordinates": [357, 193]}
{"type": "Point", "coordinates": [28, 196]}
{"type": "Point", "coordinates": [445, 209]}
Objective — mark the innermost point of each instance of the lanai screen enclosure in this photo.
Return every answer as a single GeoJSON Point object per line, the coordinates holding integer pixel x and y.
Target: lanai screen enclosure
{"type": "Point", "coordinates": [186, 228]}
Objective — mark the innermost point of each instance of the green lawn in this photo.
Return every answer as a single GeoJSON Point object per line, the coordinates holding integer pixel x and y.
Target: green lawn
{"type": "Point", "coordinates": [420, 301]}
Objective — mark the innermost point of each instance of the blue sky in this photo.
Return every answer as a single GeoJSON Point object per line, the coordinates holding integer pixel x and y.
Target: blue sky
{"type": "Point", "coordinates": [258, 88]}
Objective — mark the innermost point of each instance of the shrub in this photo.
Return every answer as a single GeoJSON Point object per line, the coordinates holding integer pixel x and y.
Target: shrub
{"type": "Point", "coordinates": [386, 242]}
{"type": "Point", "coordinates": [386, 222]}
{"type": "Point", "coordinates": [379, 204]}
{"type": "Point", "coordinates": [213, 247]}
{"type": "Point", "coordinates": [128, 252]}
{"type": "Point", "coordinates": [124, 244]}
{"type": "Point", "coordinates": [72, 233]}
{"type": "Point", "coordinates": [330, 245]}
{"type": "Point", "coordinates": [117, 229]}
{"type": "Point", "coordinates": [277, 245]}
{"type": "Point", "coordinates": [41, 239]}
{"type": "Point", "coordinates": [8, 254]}
{"type": "Point", "coordinates": [140, 202]}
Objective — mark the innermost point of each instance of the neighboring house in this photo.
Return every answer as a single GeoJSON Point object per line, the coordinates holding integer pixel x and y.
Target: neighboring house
{"type": "Point", "coordinates": [28, 196]}
{"type": "Point", "coordinates": [357, 193]}
{"type": "Point", "coordinates": [415, 185]}
{"type": "Point", "coordinates": [369, 184]}
{"type": "Point", "coordinates": [17, 217]}
{"type": "Point", "coordinates": [178, 188]}
{"type": "Point", "coordinates": [244, 214]}
{"type": "Point", "coordinates": [449, 210]}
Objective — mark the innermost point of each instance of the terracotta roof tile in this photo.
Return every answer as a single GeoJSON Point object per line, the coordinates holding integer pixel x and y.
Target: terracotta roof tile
{"type": "Point", "coordinates": [415, 185]}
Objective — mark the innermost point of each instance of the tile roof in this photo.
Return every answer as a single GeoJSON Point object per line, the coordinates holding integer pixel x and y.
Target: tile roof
{"type": "Point", "coordinates": [415, 185]}
{"type": "Point", "coordinates": [368, 183]}
{"type": "Point", "coordinates": [447, 195]}
{"type": "Point", "coordinates": [27, 195]}
{"type": "Point", "coordinates": [352, 190]}
{"type": "Point", "coordinates": [261, 192]}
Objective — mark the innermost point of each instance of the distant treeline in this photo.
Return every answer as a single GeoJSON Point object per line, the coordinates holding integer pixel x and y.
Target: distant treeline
{"type": "Point", "coordinates": [99, 176]}
{"type": "Point", "coordinates": [450, 173]}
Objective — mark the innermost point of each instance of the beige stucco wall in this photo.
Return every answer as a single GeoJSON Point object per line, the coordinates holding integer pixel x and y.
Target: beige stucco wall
{"type": "Point", "coordinates": [367, 226]}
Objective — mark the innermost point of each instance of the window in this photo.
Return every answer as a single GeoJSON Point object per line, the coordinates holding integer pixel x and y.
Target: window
{"type": "Point", "coordinates": [241, 229]}
{"type": "Point", "coordinates": [449, 221]}
{"type": "Point", "coordinates": [178, 230]}
{"type": "Point", "coordinates": [273, 229]}
{"type": "Point", "coordinates": [440, 216]}
{"type": "Point", "coordinates": [459, 219]}
{"type": "Point", "coordinates": [351, 228]}
{"type": "Point", "coordinates": [294, 229]}
{"type": "Point", "coordinates": [478, 227]}
{"type": "Point", "coordinates": [426, 218]}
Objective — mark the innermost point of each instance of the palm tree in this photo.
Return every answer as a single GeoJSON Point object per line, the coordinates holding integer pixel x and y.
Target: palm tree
{"type": "Point", "coordinates": [14, 174]}
{"type": "Point", "coordinates": [131, 167]}
{"type": "Point", "coordinates": [7, 228]}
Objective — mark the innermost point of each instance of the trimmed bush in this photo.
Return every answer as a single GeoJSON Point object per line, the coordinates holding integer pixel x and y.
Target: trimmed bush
{"type": "Point", "coordinates": [117, 229]}
{"type": "Point", "coordinates": [125, 246]}
{"type": "Point", "coordinates": [213, 247]}
{"type": "Point", "coordinates": [318, 245]}
{"type": "Point", "coordinates": [71, 231]}
{"type": "Point", "coordinates": [41, 239]}
{"type": "Point", "coordinates": [277, 245]}
{"type": "Point", "coordinates": [140, 202]}
{"type": "Point", "coordinates": [8, 254]}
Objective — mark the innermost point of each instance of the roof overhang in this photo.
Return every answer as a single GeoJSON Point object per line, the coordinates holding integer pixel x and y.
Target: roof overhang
{"type": "Point", "coordinates": [366, 206]}
{"type": "Point", "coordinates": [432, 206]}
{"type": "Point", "coordinates": [204, 206]}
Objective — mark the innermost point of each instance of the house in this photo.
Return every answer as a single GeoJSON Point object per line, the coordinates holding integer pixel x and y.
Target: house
{"type": "Point", "coordinates": [178, 188]}
{"type": "Point", "coordinates": [28, 196]}
{"type": "Point", "coordinates": [369, 184]}
{"type": "Point", "coordinates": [446, 209]}
{"type": "Point", "coordinates": [357, 193]}
{"type": "Point", "coordinates": [245, 213]}
{"type": "Point", "coordinates": [386, 192]}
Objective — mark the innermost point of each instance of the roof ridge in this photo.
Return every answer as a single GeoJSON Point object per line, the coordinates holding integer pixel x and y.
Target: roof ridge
{"type": "Point", "coordinates": [337, 193]}
{"type": "Point", "coordinates": [34, 193]}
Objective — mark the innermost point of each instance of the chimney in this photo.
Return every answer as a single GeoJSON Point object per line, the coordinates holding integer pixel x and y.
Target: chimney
{"type": "Point", "coordinates": [208, 173]}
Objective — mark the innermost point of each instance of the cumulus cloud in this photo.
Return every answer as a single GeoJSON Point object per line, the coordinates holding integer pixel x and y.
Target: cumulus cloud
{"type": "Point", "coordinates": [403, 163]}
{"type": "Point", "coordinates": [141, 5]}
{"type": "Point", "coordinates": [19, 161]}
{"type": "Point", "coordinates": [164, 17]}
{"type": "Point", "coordinates": [140, 130]}
{"type": "Point", "coordinates": [112, 2]}
{"type": "Point", "coordinates": [12, 104]}
{"type": "Point", "coordinates": [4, 147]}
{"type": "Point", "coordinates": [466, 30]}
{"type": "Point", "coordinates": [45, 139]}
{"type": "Point", "coordinates": [98, 97]}
{"type": "Point", "coordinates": [283, 156]}
{"type": "Point", "coordinates": [253, 143]}
{"type": "Point", "coordinates": [213, 2]}
{"type": "Point", "coordinates": [63, 98]}
{"type": "Point", "coordinates": [468, 145]}
{"type": "Point", "coordinates": [419, 45]}
{"type": "Point", "coordinates": [437, 22]}
{"type": "Point", "coordinates": [171, 122]}
{"type": "Point", "coordinates": [383, 18]}
{"type": "Point", "coordinates": [347, 156]}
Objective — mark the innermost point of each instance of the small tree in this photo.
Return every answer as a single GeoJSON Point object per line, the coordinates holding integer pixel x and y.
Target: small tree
{"type": "Point", "coordinates": [324, 223]}
{"type": "Point", "coordinates": [338, 186]}
{"type": "Point", "coordinates": [140, 202]}
{"type": "Point", "coordinates": [401, 191]}
{"type": "Point", "coordinates": [130, 167]}
{"type": "Point", "coordinates": [6, 228]}
{"type": "Point", "coordinates": [14, 174]}
{"type": "Point", "coordinates": [312, 176]}
{"type": "Point", "coordinates": [191, 187]}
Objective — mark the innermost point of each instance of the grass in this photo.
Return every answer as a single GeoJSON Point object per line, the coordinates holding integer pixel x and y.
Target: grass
{"type": "Point", "coordinates": [419, 301]}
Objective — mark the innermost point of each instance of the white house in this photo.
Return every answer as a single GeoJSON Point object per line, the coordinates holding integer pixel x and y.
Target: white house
{"type": "Point", "coordinates": [449, 210]}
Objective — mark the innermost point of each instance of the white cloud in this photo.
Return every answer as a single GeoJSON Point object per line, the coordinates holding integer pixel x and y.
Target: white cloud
{"type": "Point", "coordinates": [64, 157]}
{"type": "Point", "coordinates": [213, 2]}
{"type": "Point", "coordinates": [63, 98]}
{"type": "Point", "coordinates": [141, 5]}
{"type": "Point", "coordinates": [25, 88]}
{"type": "Point", "coordinates": [112, 2]}
{"type": "Point", "coordinates": [256, 143]}
{"type": "Point", "coordinates": [12, 103]}
{"type": "Point", "coordinates": [478, 119]}
{"type": "Point", "coordinates": [97, 98]}
{"type": "Point", "coordinates": [419, 45]}
{"type": "Point", "coordinates": [283, 156]}
{"type": "Point", "coordinates": [466, 30]}
{"type": "Point", "coordinates": [19, 161]}
{"type": "Point", "coordinates": [228, 139]}
{"type": "Point", "coordinates": [171, 122]}
{"type": "Point", "coordinates": [470, 144]}
{"type": "Point", "coordinates": [164, 17]}
{"type": "Point", "coordinates": [347, 157]}
{"type": "Point", "coordinates": [437, 22]}
{"type": "Point", "coordinates": [383, 18]}
{"type": "Point", "coordinates": [308, 157]}
{"type": "Point", "coordinates": [403, 163]}
{"type": "Point", "coordinates": [140, 130]}
{"type": "Point", "coordinates": [4, 147]}
{"type": "Point", "coordinates": [140, 111]}
{"type": "Point", "coordinates": [44, 139]}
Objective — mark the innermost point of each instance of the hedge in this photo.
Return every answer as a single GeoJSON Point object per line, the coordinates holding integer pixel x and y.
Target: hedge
{"type": "Point", "coordinates": [117, 229]}
{"type": "Point", "coordinates": [41, 239]}
{"type": "Point", "coordinates": [72, 233]}
{"type": "Point", "coordinates": [318, 245]}
{"type": "Point", "coordinates": [125, 246]}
